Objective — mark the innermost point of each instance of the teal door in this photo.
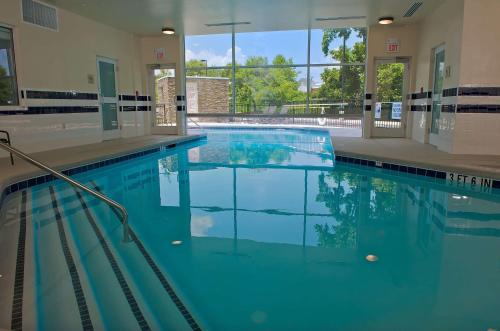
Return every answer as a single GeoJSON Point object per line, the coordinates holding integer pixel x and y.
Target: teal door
{"type": "Point", "coordinates": [108, 98]}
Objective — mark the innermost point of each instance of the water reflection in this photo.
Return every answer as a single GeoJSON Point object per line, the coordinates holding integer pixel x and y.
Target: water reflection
{"type": "Point", "coordinates": [284, 233]}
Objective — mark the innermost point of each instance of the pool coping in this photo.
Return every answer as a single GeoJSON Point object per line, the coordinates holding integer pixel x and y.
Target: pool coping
{"type": "Point", "coordinates": [28, 179]}
{"type": "Point", "coordinates": [424, 169]}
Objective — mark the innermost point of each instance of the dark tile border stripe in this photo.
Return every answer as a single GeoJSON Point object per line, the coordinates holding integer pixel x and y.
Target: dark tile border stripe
{"type": "Point", "coordinates": [421, 95]}
{"type": "Point", "coordinates": [479, 91]}
{"type": "Point", "coordinates": [479, 109]}
{"type": "Point", "coordinates": [91, 166]}
{"type": "Point", "coordinates": [161, 277]}
{"type": "Point", "coordinates": [449, 92]}
{"type": "Point", "coordinates": [126, 97]}
{"type": "Point", "coordinates": [70, 262]}
{"type": "Point", "coordinates": [391, 166]}
{"type": "Point", "coordinates": [47, 110]}
{"type": "Point", "coordinates": [448, 108]}
{"type": "Point", "coordinates": [127, 292]}
{"type": "Point", "coordinates": [420, 108]}
{"type": "Point", "coordinates": [127, 108]}
{"type": "Point", "coordinates": [400, 168]}
{"type": "Point", "coordinates": [65, 95]}
{"type": "Point", "coordinates": [17, 301]}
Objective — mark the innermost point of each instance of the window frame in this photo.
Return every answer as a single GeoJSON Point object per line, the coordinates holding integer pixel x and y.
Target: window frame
{"type": "Point", "coordinates": [17, 104]}
{"type": "Point", "coordinates": [308, 66]}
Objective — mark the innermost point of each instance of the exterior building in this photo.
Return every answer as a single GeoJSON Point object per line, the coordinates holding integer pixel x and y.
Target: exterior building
{"type": "Point", "coordinates": [203, 95]}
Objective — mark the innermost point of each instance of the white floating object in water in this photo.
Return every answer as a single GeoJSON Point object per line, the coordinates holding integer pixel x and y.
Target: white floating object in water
{"type": "Point", "coordinates": [176, 242]}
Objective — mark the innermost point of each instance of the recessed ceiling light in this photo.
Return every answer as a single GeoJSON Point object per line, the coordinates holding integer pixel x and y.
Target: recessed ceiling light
{"type": "Point", "coordinates": [168, 31]}
{"type": "Point", "coordinates": [371, 258]}
{"type": "Point", "coordinates": [176, 242]}
{"type": "Point", "coordinates": [386, 20]}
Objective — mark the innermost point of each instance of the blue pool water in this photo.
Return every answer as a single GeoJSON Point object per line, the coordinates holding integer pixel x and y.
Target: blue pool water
{"type": "Point", "coordinates": [261, 230]}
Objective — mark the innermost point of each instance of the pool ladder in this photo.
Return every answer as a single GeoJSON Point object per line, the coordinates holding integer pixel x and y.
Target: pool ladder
{"type": "Point", "coordinates": [6, 145]}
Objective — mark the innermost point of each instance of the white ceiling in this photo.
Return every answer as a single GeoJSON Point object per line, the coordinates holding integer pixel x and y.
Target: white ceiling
{"type": "Point", "coordinates": [147, 17]}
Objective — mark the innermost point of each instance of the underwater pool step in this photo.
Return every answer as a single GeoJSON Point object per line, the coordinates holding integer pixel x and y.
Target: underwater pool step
{"type": "Point", "coordinates": [120, 277]}
{"type": "Point", "coordinates": [115, 300]}
{"type": "Point", "coordinates": [59, 281]}
{"type": "Point", "coordinates": [155, 289]}
{"type": "Point", "coordinates": [13, 235]}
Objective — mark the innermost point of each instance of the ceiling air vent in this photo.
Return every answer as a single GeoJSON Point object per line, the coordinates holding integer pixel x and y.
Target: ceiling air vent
{"type": "Point", "coordinates": [413, 8]}
{"type": "Point", "coordinates": [40, 14]}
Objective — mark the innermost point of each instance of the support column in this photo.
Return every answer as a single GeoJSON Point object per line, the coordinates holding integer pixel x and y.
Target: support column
{"type": "Point", "coordinates": [367, 116]}
{"type": "Point", "coordinates": [181, 90]}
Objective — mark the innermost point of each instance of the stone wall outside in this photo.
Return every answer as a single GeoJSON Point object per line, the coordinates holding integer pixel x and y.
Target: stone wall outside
{"type": "Point", "coordinates": [204, 95]}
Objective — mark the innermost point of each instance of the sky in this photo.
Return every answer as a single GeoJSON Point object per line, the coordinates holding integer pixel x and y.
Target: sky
{"type": "Point", "coordinates": [217, 48]}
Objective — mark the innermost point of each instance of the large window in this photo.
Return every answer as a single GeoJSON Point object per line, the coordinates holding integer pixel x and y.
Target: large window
{"type": "Point", "coordinates": [299, 72]}
{"type": "Point", "coordinates": [8, 84]}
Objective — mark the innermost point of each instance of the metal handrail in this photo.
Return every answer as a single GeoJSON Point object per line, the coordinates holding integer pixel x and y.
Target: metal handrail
{"type": "Point", "coordinates": [195, 123]}
{"type": "Point", "coordinates": [108, 201]}
{"type": "Point", "coordinates": [7, 141]}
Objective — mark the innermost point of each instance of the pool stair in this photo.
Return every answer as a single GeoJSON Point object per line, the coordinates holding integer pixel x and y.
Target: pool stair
{"type": "Point", "coordinates": [86, 276]}
{"type": "Point", "coordinates": [111, 288]}
{"type": "Point", "coordinates": [153, 281]}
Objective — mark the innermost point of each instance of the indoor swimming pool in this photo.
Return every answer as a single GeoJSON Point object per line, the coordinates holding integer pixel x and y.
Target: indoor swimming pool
{"type": "Point", "coordinates": [258, 230]}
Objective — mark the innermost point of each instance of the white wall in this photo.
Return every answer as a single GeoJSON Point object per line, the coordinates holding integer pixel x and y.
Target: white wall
{"type": "Point", "coordinates": [479, 133]}
{"type": "Point", "coordinates": [442, 28]}
{"type": "Point", "coordinates": [377, 37]}
{"type": "Point", "coordinates": [467, 30]}
{"type": "Point", "coordinates": [62, 61]}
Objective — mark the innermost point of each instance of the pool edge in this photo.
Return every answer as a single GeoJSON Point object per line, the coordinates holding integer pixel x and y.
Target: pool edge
{"type": "Point", "coordinates": [20, 182]}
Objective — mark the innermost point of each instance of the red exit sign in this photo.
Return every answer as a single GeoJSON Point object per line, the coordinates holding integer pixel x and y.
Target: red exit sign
{"type": "Point", "coordinates": [392, 45]}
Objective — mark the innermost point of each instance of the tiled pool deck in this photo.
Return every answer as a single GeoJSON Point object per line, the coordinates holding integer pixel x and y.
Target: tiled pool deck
{"type": "Point", "coordinates": [72, 157]}
{"type": "Point", "coordinates": [409, 152]}
{"type": "Point", "coordinates": [393, 150]}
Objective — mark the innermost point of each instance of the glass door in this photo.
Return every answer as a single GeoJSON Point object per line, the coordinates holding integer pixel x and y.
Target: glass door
{"type": "Point", "coordinates": [108, 98]}
{"type": "Point", "coordinates": [162, 87]}
{"type": "Point", "coordinates": [437, 89]}
{"type": "Point", "coordinates": [165, 97]}
{"type": "Point", "coordinates": [389, 115]}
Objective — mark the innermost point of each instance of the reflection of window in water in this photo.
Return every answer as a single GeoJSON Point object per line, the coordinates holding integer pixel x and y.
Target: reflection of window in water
{"type": "Point", "coordinates": [200, 225]}
{"type": "Point", "coordinates": [340, 194]}
{"type": "Point", "coordinates": [169, 181]}
{"type": "Point", "coordinates": [383, 200]}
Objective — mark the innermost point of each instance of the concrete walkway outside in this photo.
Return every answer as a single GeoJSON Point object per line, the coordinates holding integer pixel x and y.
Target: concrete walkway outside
{"type": "Point", "coordinates": [406, 151]}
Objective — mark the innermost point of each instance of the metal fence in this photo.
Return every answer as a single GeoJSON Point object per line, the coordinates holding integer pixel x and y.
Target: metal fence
{"type": "Point", "coordinates": [320, 113]}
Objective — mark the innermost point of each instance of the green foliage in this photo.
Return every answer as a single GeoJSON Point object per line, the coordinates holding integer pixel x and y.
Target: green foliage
{"type": "Point", "coordinates": [5, 88]}
{"type": "Point", "coordinates": [344, 83]}
{"type": "Point", "coordinates": [258, 154]}
{"type": "Point", "coordinates": [258, 88]}
{"type": "Point", "coordinates": [339, 191]}
{"type": "Point", "coordinates": [197, 68]}
{"type": "Point", "coordinates": [390, 82]}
